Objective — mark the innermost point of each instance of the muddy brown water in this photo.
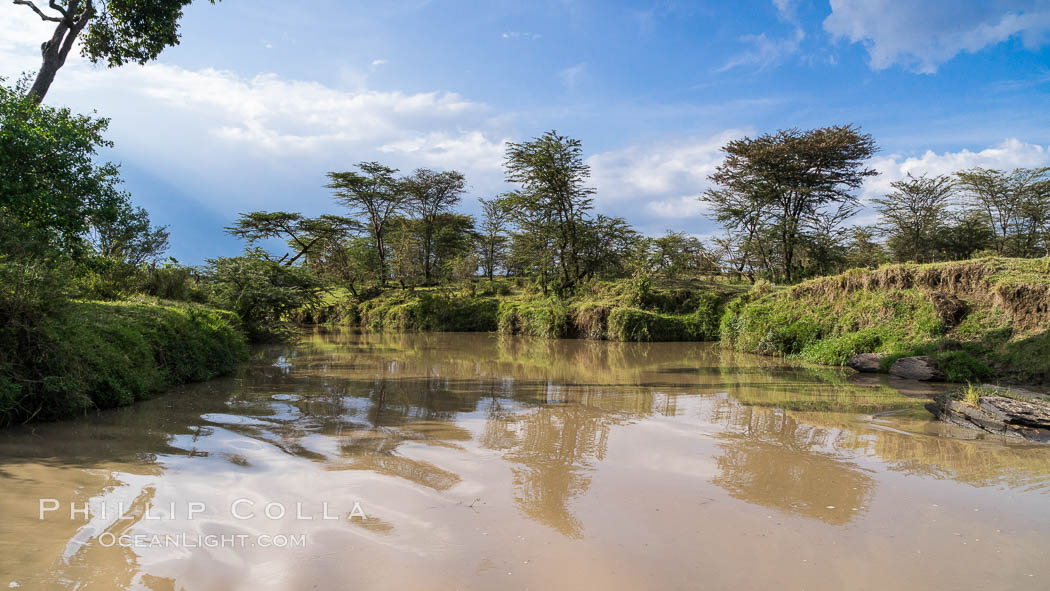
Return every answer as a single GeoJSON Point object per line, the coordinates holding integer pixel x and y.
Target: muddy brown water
{"type": "Point", "coordinates": [459, 461]}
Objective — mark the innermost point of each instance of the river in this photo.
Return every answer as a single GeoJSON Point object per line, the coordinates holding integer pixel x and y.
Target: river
{"type": "Point", "coordinates": [474, 461]}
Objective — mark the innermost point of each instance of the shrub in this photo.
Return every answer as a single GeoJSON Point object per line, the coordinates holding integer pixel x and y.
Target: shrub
{"type": "Point", "coordinates": [592, 320]}
{"type": "Point", "coordinates": [962, 366]}
{"type": "Point", "coordinates": [173, 282]}
{"type": "Point", "coordinates": [838, 350]}
{"type": "Point", "coordinates": [632, 324]}
{"type": "Point", "coordinates": [30, 293]}
{"type": "Point", "coordinates": [548, 318]}
{"type": "Point", "coordinates": [429, 311]}
{"type": "Point", "coordinates": [977, 319]}
{"type": "Point", "coordinates": [263, 293]}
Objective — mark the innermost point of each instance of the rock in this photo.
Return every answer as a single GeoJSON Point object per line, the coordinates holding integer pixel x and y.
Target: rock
{"type": "Point", "coordinates": [1017, 412]}
{"type": "Point", "coordinates": [921, 368]}
{"type": "Point", "coordinates": [865, 362]}
{"type": "Point", "coordinates": [999, 415]}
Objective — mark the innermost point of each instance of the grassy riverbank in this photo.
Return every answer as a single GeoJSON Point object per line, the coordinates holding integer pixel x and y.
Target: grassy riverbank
{"type": "Point", "coordinates": [981, 319]}
{"type": "Point", "coordinates": [93, 355]}
{"type": "Point", "coordinates": [984, 319]}
{"type": "Point", "coordinates": [629, 310]}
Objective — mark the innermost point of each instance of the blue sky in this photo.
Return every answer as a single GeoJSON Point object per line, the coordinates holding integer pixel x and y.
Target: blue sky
{"type": "Point", "coordinates": [263, 97]}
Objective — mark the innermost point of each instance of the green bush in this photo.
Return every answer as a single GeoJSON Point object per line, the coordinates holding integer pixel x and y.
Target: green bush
{"type": "Point", "coordinates": [263, 293]}
{"type": "Point", "coordinates": [632, 324]}
{"type": "Point", "coordinates": [789, 339]}
{"type": "Point", "coordinates": [429, 311]}
{"type": "Point", "coordinates": [708, 314]}
{"type": "Point", "coordinates": [828, 329]}
{"type": "Point", "coordinates": [962, 366]}
{"type": "Point", "coordinates": [549, 318]}
{"type": "Point", "coordinates": [31, 293]}
{"type": "Point", "coordinates": [838, 350]}
{"type": "Point", "coordinates": [173, 282]}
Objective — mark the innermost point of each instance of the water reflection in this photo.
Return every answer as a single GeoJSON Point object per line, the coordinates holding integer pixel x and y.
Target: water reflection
{"type": "Point", "coordinates": [442, 421]}
{"type": "Point", "coordinates": [552, 450]}
{"type": "Point", "coordinates": [772, 459]}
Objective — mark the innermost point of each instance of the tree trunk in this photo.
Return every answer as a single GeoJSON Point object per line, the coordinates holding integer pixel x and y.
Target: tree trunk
{"type": "Point", "coordinates": [55, 50]}
{"type": "Point", "coordinates": [381, 252]}
{"type": "Point", "coordinates": [427, 248]}
{"type": "Point", "coordinates": [44, 78]}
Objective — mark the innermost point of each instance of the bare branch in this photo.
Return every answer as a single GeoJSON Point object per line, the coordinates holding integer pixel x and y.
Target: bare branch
{"type": "Point", "coordinates": [39, 12]}
{"type": "Point", "coordinates": [56, 6]}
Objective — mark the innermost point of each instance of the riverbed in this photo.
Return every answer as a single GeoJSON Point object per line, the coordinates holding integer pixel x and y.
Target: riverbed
{"type": "Point", "coordinates": [364, 461]}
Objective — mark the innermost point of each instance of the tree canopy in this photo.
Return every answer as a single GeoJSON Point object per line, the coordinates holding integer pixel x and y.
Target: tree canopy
{"type": "Point", "coordinates": [299, 232]}
{"type": "Point", "coordinates": [790, 176]}
{"type": "Point", "coordinates": [373, 194]}
{"type": "Point", "coordinates": [913, 214]}
{"type": "Point", "coordinates": [553, 201]}
{"type": "Point", "coordinates": [55, 197]}
{"type": "Point", "coordinates": [430, 194]}
{"type": "Point", "coordinates": [1015, 204]}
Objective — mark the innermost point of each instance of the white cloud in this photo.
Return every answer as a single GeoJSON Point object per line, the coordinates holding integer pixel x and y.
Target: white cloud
{"type": "Point", "coordinates": [250, 141]}
{"type": "Point", "coordinates": [677, 208]}
{"type": "Point", "coordinates": [520, 35]}
{"type": "Point", "coordinates": [282, 116]}
{"type": "Point", "coordinates": [663, 180]}
{"type": "Point", "coordinates": [769, 51]}
{"type": "Point", "coordinates": [1011, 153]}
{"type": "Point", "coordinates": [570, 75]}
{"type": "Point", "coordinates": [766, 52]}
{"type": "Point", "coordinates": [786, 9]}
{"type": "Point", "coordinates": [923, 35]}
{"type": "Point", "coordinates": [471, 150]}
{"type": "Point", "coordinates": [379, 62]}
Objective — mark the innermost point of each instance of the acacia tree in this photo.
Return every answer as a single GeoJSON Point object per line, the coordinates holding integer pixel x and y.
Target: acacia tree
{"type": "Point", "coordinates": [729, 251]}
{"type": "Point", "coordinates": [299, 232]}
{"type": "Point", "coordinates": [747, 223]}
{"type": "Point", "coordinates": [1016, 205]}
{"type": "Point", "coordinates": [990, 192]}
{"type": "Point", "coordinates": [1035, 214]}
{"type": "Point", "coordinates": [452, 238]}
{"type": "Point", "coordinates": [429, 194]}
{"type": "Point", "coordinates": [454, 242]}
{"type": "Point", "coordinates": [495, 222]}
{"type": "Point", "coordinates": [826, 239]}
{"type": "Point", "coordinates": [532, 251]}
{"type": "Point", "coordinates": [551, 173]}
{"type": "Point", "coordinates": [964, 234]}
{"type": "Point", "coordinates": [864, 251]}
{"type": "Point", "coordinates": [677, 254]}
{"type": "Point", "coordinates": [374, 194]}
{"type": "Point", "coordinates": [346, 259]}
{"type": "Point", "coordinates": [610, 247]}
{"type": "Point", "coordinates": [115, 32]}
{"type": "Point", "coordinates": [913, 213]}
{"type": "Point", "coordinates": [793, 174]}
{"type": "Point", "coordinates": [404, 257]}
